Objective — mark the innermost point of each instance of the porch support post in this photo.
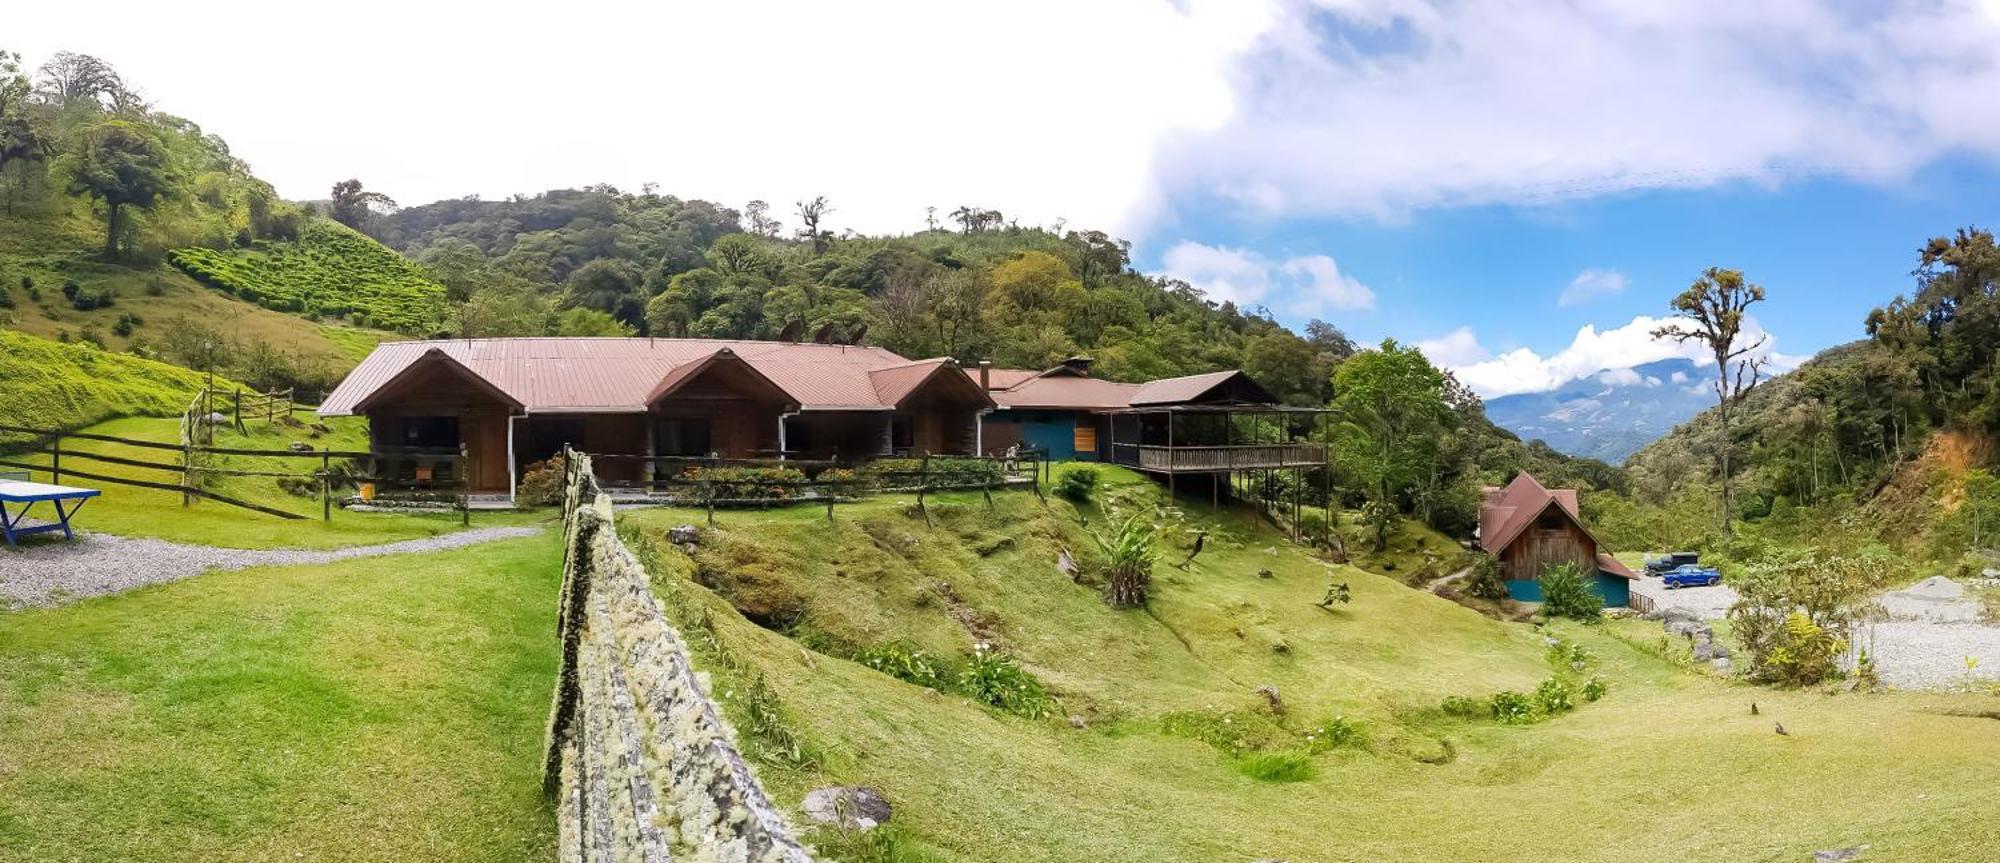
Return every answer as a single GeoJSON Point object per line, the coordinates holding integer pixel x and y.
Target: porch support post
{"type": "Point", "coordinates": [646, 466]}
{"type": "Point", "coordinates": [513, 470]}
{"type": "Point", "coordinates": [979, 431]}
{"type": "Point", "coordinates": [1170, 455]}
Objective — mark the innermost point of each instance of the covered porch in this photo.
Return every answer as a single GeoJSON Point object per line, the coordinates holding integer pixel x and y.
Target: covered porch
{"type": "Point", "coordinates": [1216, 438]}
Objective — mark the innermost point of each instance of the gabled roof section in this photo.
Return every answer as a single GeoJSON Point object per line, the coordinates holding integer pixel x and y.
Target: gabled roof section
{"type": "Point", "coordinates": [722, 358]}
{"type": "Point", "coordinates": [436, 359]}
{"type": "Point", "coordinates": [1233, 384]}
{"type": "Point", "coordinates": [1000, 379]}
{"type": "Point", "coordinates": [1067, 392]}
{"type": "Point", "coordinates": [895, 384]}
{"type": "Point", "coordinates": [1505, 512]}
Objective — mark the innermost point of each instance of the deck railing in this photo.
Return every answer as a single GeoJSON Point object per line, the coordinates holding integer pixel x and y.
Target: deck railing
{"type": "Point", "coordinates": [1197, 459]}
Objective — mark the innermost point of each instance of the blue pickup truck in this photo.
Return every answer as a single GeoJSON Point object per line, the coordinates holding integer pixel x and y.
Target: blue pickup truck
{"type": "Point", "coordinates": [1691, 575]}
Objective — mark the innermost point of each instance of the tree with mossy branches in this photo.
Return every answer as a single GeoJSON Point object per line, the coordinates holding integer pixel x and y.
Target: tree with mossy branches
{"type": "Point", "coordinates": [123, 164]}
{"type": "Point", "coordinates": [1711, 312]}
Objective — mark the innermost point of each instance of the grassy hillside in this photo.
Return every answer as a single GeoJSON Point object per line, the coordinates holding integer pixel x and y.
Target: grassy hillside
{"type": "Point", "coordinates": [1178, 758]}
{"type": "Point", "coordinates": [328, 271]}
{"type": "Point", "coordinates": [59, 386]}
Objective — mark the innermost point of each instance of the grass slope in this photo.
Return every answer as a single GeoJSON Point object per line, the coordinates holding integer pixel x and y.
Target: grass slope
{"type": "Point", "coordinates": [330, 271]}
{"type": "Point", "coordinates": [343, 712]}
{"type": "Point", "coordinates": [58, 386]}
{"type": "Point", "coordinates": [131, 511]}
{"type": "Point", "coordinates": [53, 248]}
{"type": "Point", "coordinates": [1670, 766]}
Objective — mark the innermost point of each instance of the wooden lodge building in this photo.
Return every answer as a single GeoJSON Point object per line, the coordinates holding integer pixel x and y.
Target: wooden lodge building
{"type": "Point", "coordinates": [508, 403]}
{"type": "Point", "coordinates": [1530, 528]}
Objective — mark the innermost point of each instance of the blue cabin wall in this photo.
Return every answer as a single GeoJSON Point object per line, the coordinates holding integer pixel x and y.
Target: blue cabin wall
{"type": "Point", "coordinates": [1050, 431]}
{"type": "Point", "coordinates": [1616, 591]}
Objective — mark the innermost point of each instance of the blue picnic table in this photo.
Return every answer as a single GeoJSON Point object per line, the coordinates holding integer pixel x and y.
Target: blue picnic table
{"type": "Point", "coordinates": [27, 494]}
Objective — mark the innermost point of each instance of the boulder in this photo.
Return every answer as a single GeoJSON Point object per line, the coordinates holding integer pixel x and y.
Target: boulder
{"type": "Point", "coordinates": [686, 534]}
{"type": "Point", "coordinates": [1840, 855]}
{"type": "Point", "coordinates": [849, 807]}
{"type": "Point", "coordinates": [299, 446]}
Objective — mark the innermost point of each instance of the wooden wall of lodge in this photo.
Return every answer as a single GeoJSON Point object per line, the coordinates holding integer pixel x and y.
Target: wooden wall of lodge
{"type": "Point", "coordinates": [1537, 548]}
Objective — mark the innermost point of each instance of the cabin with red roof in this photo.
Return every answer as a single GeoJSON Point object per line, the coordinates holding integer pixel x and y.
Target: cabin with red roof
{"type": "Point", "coordinates": [1530, 528]}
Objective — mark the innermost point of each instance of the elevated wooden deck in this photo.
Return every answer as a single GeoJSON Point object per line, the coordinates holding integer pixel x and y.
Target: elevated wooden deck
{"type": "Point", "coordinates": [1217, 459]}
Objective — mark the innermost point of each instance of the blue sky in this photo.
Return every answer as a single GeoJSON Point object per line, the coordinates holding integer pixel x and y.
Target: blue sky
{"type": "Point", "coordinates": [1437, 170]}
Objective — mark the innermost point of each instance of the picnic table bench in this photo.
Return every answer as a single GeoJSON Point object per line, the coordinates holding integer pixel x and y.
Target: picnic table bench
{"type": "Point", "coordinates": [16, 489]}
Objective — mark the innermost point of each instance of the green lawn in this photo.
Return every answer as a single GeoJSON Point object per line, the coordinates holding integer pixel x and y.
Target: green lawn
{"type": "Point", "coordinates": [133, 511]}
{"type": "Point", "coordinates": [1670, 766]}
{"type": "Point", "coordinates": [385, 709]}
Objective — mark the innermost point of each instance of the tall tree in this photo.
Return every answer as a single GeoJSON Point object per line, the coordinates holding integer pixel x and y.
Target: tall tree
{"type": "Point", "coordinates": [1711, 312]}
{"type": "Point", "coordinates": [353, 206]}
{"type": "Point", "coordinates": [122, 163]}
{"type": "Point", "coordinates": [758, 214]}
{"type": "Point", "coordinates": [611, 286]}
{"type": "Point", "coordinates": [1392, 412]}
{"type": "Point", "coordinates": [810, 213]}
{"type": "Point", "coordinates": [69, 80]}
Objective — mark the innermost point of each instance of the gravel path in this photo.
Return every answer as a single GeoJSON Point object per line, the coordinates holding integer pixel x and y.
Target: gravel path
{"type": "Point", "coordinates": [1932, 627]}
{"type": "Point", "coordinates": [95, 564]}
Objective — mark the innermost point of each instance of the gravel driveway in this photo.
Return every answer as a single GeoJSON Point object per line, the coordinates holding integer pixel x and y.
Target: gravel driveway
{"type": "Point", "coordinates": [95, 564]}
{"type": "Point", "coordinates": [1931, 628]}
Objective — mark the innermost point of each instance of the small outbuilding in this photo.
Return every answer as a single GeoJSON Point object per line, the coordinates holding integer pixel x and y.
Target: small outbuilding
{"type": "Point", "coordinates": [1530, 527]}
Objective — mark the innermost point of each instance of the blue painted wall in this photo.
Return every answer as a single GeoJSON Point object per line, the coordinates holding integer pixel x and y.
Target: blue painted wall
{"type": "Point", "coordinates": [1617, 592]}
{"type": "Point", "coordinates": [1053, 431]}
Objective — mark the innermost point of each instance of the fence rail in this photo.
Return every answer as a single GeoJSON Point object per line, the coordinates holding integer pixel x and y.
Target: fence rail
{"type": "Point", "coordinates": [1196, 459]}
{"type": "Point", "coordinates": [196, 462]}
{"type": "Point", "coordinates": [712, 482]}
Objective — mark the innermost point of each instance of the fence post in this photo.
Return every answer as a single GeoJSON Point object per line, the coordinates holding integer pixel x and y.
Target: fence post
{"type": "Point", "coordinates": [325, 485]}
{"type": "Point", "coordinates": [464, 486]}
{"type": "Point", "coordinates": [55, 461]}
{"type": "Point", "coordinates": [924, 484]}
{"type": "Point", "coordinates": [1036, 475]}
{"type": "Point", "coordinates": [708, 489]}
{"type": "Point", "coordinates": [830, 489]}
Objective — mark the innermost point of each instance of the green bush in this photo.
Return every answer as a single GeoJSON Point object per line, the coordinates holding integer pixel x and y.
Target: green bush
{"type": "Point", "coordinates": [907, 662]}
{"type": "Point", "coordinates": [542, 483]}
{"type": "Point", "coordinates": [936, 472]}
{"type": "Point", "coordinates": [1795, 617]}
{"type": "Point", "coordinates": [1466, 708]}
{"type": "Point", "coordinates": [1514, 708]}
{"type": "Point", "coordinates": [1076, 483]}
{"type": "Point", "coordinates": [1336, 733]}
{"type": "Point", "coordinates": [1485, 581]}
{"type": "Point", "coordinates": [997, 680]}
{"type": "Point", "coordinates": [1567, 592]}
{"type": "Point", "coordinates": [746, 483]}
{"type": "Point", "coordinates": [1128, 555]}
{"type": "Point", "coordinates": [330, 270]}
{"type": "Point", "coordinates": [1554, 696]}
{"type": "Point", "coordinates": [1276, 766]}
{"type": "Point", "coordinates": [1594, 689]}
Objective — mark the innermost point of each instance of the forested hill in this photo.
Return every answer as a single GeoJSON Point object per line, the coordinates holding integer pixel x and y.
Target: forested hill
{"type": "Point", "coordinates": [1889, 439]}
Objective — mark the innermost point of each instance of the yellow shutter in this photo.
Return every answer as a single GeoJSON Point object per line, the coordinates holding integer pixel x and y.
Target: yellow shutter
{"type": "Point", "coordinates": [1086, 437]}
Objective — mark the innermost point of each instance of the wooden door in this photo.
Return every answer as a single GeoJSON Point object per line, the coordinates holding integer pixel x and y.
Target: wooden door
{"type": "Point", "coordinates": [486, 445]}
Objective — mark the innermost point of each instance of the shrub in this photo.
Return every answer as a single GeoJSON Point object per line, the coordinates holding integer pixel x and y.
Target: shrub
{"type": "Point", "coordinates": [907, 662]}
{"type": "Point", "coordinates": [1594, 689]}
{"type": "Point", "coordinates": [997, 680]}
{"type": "Point", "coordinates": [96, 298]}
{"type": "Point", "coordinates": [1234, 732]}
{"type": "Point", "coordinates": [6, 298]}
{"type": "Point", "coordinates": [1129, 554]}
{"type": "Point", "coordinates": [70, 289]}
{"type": "Point", "coordinates": [1566, 592]}
{"type": "Point", "coordinates": [542, 483]}
{"type": "Point", "coordinates": [1335, 733]}
{"type": "Point", "coordinates": [1076, 483]}
{"type": "Point", "coordinates": [1312, 526]}
{"type": "Point", "coordinates": [127, 322]}
{"type": "Point", "coordinates": [746, 483]}
{"type": "Point", "coordinates": [1514, 708]}
{"type": "Point", "coordinates": [1554, 696]}
{"type": "Point", "coordinates": [1795, 617]}
{"type": "Point", "coordinates": [1465, 708]}
{"type": "Point", "coordinates": [1276, 766]}
{"type": "Point", "coordinates": [1485, 581]}
{"type": "Point", "coordinates": [1567, 655]}
{"type": "Point", "coordinates": [935, 472]}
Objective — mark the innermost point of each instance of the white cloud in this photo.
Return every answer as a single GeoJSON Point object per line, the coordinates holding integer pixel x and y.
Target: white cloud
{"type": "Point", "coordinates": [1608, 354]}
{"type": "Point", "coordinates": [1454, 349]}
{"type": "Point", "coordinates": [1376, 107]}
{"type": "Point", "coordinates": [1680, 377]}
{"type": "Point", "coordinates": [1303, 285]}
{"type": "Point", "coordinates": [1591, 284]}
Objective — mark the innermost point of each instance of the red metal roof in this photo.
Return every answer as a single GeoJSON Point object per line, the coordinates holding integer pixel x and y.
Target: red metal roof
{"type": "Point", "coordinates": [612, 375]}
{"type": "Point", "coordinates": [1167, 391]}
{"type": "Point", "coordinates": [1067, 392]}
{"type": "Point", "coordinates": [1505, 512]}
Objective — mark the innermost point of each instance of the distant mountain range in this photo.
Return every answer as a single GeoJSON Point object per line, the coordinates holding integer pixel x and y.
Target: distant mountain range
{"type": "Point", "coordinates": [1611, 414]}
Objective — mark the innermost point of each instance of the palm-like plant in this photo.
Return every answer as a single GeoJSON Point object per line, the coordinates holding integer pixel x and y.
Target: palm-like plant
{"type": "Point", "coordinates": [1129, 552]}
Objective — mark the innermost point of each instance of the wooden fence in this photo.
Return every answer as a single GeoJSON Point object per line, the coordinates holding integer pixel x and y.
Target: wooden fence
{"type": "Point", "coordinates": [712, 482]}
{"type": "Point", "coordinates": [194, 464]}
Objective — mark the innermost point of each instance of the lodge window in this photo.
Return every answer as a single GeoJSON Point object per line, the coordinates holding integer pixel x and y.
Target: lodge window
{"type": "Point", "coordinates": [1549, 521]}
{"type": "Point", "coordinates": [682, 437]}
{"type": "Point", "coordinates": [431, 432]}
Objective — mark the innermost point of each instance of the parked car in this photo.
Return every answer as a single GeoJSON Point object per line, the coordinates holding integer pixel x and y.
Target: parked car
{"type": "Point", "coordinates": [1691, 575]}
{"type": "Point", "coordinates": [1659, 565]}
